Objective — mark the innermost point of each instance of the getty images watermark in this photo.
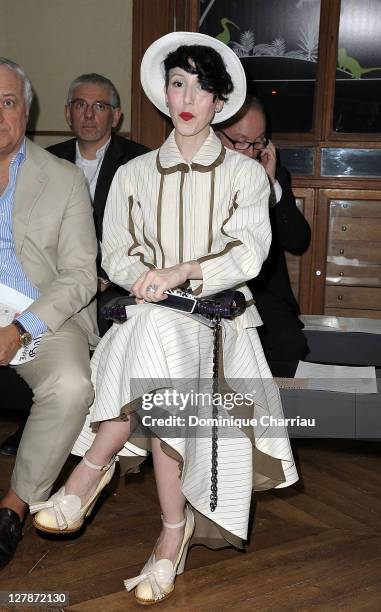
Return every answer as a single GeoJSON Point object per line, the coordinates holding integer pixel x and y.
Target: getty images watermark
{"type": "Point", "coordinates": [173, 409]}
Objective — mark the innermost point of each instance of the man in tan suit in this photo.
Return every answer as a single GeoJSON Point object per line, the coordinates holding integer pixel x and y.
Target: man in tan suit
{"type": "Point", "coordinates": [48, 252]}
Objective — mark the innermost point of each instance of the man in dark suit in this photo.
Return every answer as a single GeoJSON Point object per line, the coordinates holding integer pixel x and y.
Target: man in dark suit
{"type": "Point", "coordinates": [92, 112]}
{"type": "Point", "coordinates": [281, 334]}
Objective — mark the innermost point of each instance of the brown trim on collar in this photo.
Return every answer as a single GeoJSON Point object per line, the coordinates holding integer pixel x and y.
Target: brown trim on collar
{"type": "Point", "coordinates": [194, 166]}
{"type": "Point", "coordinates": [217, 162]}
{"type": "Point", "coordinates": [171, 169]}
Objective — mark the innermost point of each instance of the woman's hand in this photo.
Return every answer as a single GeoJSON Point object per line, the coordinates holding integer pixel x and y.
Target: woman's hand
{"type": "Point", "coordinates": [151, 285]}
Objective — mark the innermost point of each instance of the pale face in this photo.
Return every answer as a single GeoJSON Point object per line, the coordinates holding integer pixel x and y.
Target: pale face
{"type": "Point", "coordinates": [88, 124]}
{"type": "Point", "coordinates": [250, 128]}
{"type": "Point", "coordinates": [13, 112]}
{"type": "Point", "coordinates": [191, 108]}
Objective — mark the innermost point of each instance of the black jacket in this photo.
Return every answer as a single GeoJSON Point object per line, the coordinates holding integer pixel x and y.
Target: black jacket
{"type": "Point", "coordinates": [119, 152]}
{"type": "Point", "coordinates": [290, 232]}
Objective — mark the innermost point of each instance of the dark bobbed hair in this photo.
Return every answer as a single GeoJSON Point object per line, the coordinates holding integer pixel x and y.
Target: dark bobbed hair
{"type": "Point", "coordinates": [206, 63]}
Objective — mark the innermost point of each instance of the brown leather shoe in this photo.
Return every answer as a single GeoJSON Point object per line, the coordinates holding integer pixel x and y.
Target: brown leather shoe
{"type": "Point", "coordinates": [10, 534]}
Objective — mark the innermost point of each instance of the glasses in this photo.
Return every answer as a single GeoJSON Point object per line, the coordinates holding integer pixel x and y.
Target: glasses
{"type": "Point", "coordinates": [258, 145]}
{"type": "Point", "coordinates": [81, 106]}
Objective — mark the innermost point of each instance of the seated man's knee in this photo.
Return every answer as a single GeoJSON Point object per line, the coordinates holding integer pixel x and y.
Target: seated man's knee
{"type": "Point", "coordinates": [74, 390]}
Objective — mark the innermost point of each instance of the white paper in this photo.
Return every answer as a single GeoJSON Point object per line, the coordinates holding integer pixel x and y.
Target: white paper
{"type": "Point", "coordinates": [12, 303]}
{"type": "Point", "coordinates": [344, 379]}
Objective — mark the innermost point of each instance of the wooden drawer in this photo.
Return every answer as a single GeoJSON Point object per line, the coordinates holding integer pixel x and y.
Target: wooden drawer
{"type": "Point", "coordinates": [368, 298]}
{"type": "Point", "coordinates": [364, 276]}
{"type": "Point", "coordinates": [346, 228]}
{"type": "Point", "coordinates": [354, 252]}
{"type": "Point", "coordinates": [355, 208]}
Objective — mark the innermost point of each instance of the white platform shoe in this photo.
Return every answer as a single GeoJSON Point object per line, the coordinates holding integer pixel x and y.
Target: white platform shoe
{"type": "Point", "coordinates": [63, 513]}
{"type": "Point", "coordinates": [156, 581]}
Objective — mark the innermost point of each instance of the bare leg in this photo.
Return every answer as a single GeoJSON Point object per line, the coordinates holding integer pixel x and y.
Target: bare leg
{"type": "Point", "coordinates": [110, 438]}
{"type": "Point", "coordinates": [172, 502]}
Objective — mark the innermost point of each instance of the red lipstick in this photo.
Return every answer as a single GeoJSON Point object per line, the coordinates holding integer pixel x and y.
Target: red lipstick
{"type": "Point", "coordinates": [186, 116]}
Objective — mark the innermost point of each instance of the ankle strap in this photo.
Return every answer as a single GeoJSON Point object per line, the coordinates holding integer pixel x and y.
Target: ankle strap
{"type": "Point", "coordinates": [100, 468]}
{"type": "Point", "coordinates": [173, 525]}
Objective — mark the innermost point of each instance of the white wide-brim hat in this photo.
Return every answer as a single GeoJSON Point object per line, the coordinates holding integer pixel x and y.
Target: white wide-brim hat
{"type": "Point", "coordinates": [152, 73]}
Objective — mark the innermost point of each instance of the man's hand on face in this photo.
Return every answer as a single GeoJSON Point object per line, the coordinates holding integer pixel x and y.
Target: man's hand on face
{"type": "Point", "coordinates": [267, 157]}
{"type": "Point", "coordinates": [9, 343]}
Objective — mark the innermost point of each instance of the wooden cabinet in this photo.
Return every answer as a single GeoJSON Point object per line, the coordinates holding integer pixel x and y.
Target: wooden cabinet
{"type": "Point", "coordinates": [346, 274]}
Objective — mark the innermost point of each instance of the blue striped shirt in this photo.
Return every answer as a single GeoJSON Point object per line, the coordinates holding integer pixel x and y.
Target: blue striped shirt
{"type": "Point", "coordinates": [11, 272]}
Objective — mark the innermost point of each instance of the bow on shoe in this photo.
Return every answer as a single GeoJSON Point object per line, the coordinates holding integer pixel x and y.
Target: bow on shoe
{"type": "Point", "coordinates": [54, 505]}
{"type": "Point", "coordinates": [159, 574]}
{"type": "Point", "coordinates": [66, 508]}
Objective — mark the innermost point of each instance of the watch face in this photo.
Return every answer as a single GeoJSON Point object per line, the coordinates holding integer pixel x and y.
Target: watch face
{"type": "Point", "coordinates": [26, 338]}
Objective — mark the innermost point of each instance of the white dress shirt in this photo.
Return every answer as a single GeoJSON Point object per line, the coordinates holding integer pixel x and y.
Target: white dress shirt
{"type": "Point", "coordinates": [91, 167]}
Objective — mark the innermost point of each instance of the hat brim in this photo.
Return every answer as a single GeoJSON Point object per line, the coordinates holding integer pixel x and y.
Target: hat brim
{"type": "Point", "coordinates": [152, 74]}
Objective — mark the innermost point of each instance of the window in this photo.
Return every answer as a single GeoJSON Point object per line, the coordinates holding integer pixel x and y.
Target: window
{"type": "Point", "coordinates": [277, 42]}
{"type": "Point", "coordinates": [358, 75]}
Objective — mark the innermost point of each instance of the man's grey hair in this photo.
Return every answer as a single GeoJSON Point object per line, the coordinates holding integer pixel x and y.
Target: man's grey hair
{"type": "Point", "coordinates": [27, 85]}
{"type": "Point", "coordinates": [95, 79]}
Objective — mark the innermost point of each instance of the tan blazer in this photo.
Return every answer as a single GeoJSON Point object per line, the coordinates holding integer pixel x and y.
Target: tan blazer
{"type": "Point", "coordinates": [55, 241]}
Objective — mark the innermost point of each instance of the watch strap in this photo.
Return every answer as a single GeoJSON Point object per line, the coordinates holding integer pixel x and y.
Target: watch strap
{"type": "Point", "coordinates": [21, 329]}
{"type": "Point", "coordinates": [25, 337]}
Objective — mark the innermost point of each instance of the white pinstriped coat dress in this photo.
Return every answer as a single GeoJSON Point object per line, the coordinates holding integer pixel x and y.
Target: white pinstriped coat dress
{"type": "Point", "coordinates": [162, 211]}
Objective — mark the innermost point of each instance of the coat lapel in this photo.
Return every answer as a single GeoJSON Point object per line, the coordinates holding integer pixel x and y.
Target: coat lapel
{"type": "Point", "coordinates": [31, 181]}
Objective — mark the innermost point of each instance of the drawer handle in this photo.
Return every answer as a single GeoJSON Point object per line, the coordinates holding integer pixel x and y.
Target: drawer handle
{"type": "Point", "coordinates": [343, 228]}
{"type": "Point", "coordinates": [339, 297]}
{"type": "Point", "coordinates": [341, 251]}
{"type": "Point", "coordinates": [341, 273]}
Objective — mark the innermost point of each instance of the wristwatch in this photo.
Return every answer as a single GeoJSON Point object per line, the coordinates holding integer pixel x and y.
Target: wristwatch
{"type": "Point", "coordinates": [25, 336]}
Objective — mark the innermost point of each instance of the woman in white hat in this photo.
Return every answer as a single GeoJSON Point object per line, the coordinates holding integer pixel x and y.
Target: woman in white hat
{"type": "Point", "coordinates": [190, 212]}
